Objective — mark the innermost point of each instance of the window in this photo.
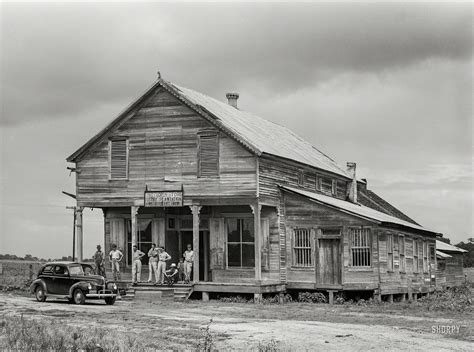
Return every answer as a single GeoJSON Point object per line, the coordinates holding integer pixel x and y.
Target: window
{"type": "Point", "coordinates": [240, 243]}
{"type": "Point", "coordinates": [60, 270]}
{"type": "Point", "coordinates": [144, 239]}
{"type": "Point", "coordinates": [360, 247]}
{"type": "Point", "coordinates": [118, 159]}
{"type": "Point", "coordinates": [208, 154]}
{"type": "Point", "coordinates": [415, 256]}
{"type": "Point", "coordinates": [389, 252]}
{"type": "Point", "coordinates": [334, 187]}
{"type": "Point", "coordinates": [318, 183]}
{"type": "Point", "coordinates": [425, 256]}
{"type": "Point", "coordinates": [300, 178]}
{"type": "Point", "coordinates": [302, 248]}
{"type": "Point", "coordinates": [48, 269]}
{"type": "Point", "coordinates": [420, 256]}
{"type": "Point", "coordinates": [327, 185]}
{"type": "Point", "coordinates": [401, 249]}
{"type": "Point", "coordinates": [432, 256]}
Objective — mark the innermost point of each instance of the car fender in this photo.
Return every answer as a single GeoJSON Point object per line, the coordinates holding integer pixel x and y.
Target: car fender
{"type": "Point", "coordinates": [83, 285]}
{"type": "Point", "coordinates": [39, 282]}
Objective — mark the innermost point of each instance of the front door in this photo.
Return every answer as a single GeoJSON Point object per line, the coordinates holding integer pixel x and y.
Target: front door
{"type": "Point", "coordinates": [329, 267]}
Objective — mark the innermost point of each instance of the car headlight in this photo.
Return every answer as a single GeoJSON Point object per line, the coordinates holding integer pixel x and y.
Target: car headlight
{"type": "Point", "coordinates": [115, 286]}
{"type": "Point", "coordinates": [89, 287]}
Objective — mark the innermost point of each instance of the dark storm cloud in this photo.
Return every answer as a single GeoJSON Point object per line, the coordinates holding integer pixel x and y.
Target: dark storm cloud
{"type": "Point", "coordinates": [62, 59]}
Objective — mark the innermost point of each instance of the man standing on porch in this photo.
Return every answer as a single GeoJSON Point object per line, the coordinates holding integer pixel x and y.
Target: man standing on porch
{"type": "Point", "coordinates": [99, 261]}
{"type": "Point", "coordinates": [153, 263]}
{"type": "Point", "coordinates": [188, 263]}
{"type": "Point", "coordinates": [162, 258]}
{"type": "Point", "coordinates": [115, 257]}
{"type": "Point", "coordinates": [137, 265]}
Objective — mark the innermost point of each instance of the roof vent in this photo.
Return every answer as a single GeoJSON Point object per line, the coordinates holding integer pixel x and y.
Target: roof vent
{"type": "Point", "coordinates": [232, 99]}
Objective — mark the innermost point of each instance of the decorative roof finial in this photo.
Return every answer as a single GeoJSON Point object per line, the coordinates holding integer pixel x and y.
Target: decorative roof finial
{"type": "Point", "coordinates": [159, 74]}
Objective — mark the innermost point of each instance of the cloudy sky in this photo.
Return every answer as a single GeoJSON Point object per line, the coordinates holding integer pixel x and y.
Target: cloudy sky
{"type": "Point", "coordinates": [386, 85]}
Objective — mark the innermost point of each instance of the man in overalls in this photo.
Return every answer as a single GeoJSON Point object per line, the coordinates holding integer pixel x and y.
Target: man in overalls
{"type": "Point", "coordinates": [99, 261]}
{"type": "Point", "coordinates": [188, 263]}
{"type": "Point", "coordinates": [162, 258]}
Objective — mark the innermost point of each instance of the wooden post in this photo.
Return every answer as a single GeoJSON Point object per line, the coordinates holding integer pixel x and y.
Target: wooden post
{"type": "Point", "coordinates": [403, 298]}
{"type": "Point", "coordinates": [205, 245]}
{"type": "Point", "coordinates": [256, 209]}
{"type": "Point", "coordinates": [195, 209]}
{"type": "Point", "coordinates": [390, 298]}
{"type": "Point", "coordinates": [331, 297]}
{"type": "Point", "coordinates": [133, 214]}
{"type": "Point", "coordinates": [79, 235]}
{"type": "Point", "coordinates": [205, 296]}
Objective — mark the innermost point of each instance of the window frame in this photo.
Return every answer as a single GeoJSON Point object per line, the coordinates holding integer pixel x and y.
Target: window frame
{"type": "Point", "coordinates": [390, 252]}
{"type": "Point", "coordinates": [351, 241]}
{"type": "Point", "coordinates": [200, 135]}
{"type": "Point", "coordinates": [402, 253]}
{"type": "Point", "coordinates": [127, 157]}
{"type": "Point", "coordinates": [416, 263]}
{"type": "Point", "coordinates": [308, 247]}
{"type": "Point", "coordinates": [241, 267]}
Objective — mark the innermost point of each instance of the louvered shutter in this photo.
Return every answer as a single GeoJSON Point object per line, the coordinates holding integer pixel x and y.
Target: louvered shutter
{"type": "Point", "coordinates": [208, 155]}
{"type": "Point", "coordinates": [118, 159]}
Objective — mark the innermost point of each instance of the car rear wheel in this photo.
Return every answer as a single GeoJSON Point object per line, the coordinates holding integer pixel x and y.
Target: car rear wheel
{"type": "Point", "coordinates": [40, 294]}
{"type": "Point", "coordinates": [109, 300]}
{"type": "Point", "coordinates": [78, 296]}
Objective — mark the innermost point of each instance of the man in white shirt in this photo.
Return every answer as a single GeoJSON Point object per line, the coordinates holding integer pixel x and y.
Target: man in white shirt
{"type": "Point", "coordinates": [153, 263]}
{"type": "Point", "coordinates": [115, 257]}
{"type": "Point", "coordinates": [188, 256]}
{"type": "Point", "coordinates": [137, 264]}
{"type": "Point", "coordinates": [162, 258]}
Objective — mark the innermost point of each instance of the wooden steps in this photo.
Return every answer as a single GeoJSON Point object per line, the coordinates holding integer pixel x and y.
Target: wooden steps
{"type": "Point", "coordinates": [148, 292]}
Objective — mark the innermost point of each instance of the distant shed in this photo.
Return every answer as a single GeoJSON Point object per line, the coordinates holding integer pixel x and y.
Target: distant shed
{"type": "Point", "coordinates": [449, 271]}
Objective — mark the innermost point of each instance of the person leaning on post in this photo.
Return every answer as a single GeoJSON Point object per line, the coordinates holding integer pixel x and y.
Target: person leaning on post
{"type": "Point", "coordinates": [115, 257]}
{"type": "Point", "coordinates": [163, 257]}
{"type": "Point", "coordinates": [137, 264]}
{"type": "Point", "coordinates": [153, 263]}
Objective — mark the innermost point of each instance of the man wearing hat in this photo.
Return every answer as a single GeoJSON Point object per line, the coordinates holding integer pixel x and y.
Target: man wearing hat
{"type": "Point", "coordinates": [137, 264]}
{"type": "Point", "coordinates": [163, 257]}
{"type": "Point", "coordinates": [99, 261]}
{"type": "Point", "coordinates": [115, 257]}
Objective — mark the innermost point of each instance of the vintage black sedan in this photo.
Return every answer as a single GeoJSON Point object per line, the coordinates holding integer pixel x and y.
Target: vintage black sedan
{"type": "Point", "coordinates": [68, 280]}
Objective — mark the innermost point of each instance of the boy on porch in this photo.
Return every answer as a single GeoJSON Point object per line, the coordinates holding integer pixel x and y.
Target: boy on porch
{"type": "Point", "coordinates": [137, 264]}
{"type": "Point", "coordinates": [115, 257]}
{"type": "Point", "coordinates": [188, 256]}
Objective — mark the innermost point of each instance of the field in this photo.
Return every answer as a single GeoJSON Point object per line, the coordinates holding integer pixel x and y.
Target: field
{"type": "Point", "coordinates": [26, 324]}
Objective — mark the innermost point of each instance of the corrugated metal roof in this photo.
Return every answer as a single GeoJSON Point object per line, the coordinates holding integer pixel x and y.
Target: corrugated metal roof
{"type": "Point", "coordinates": [263, 135]}
{"type": "Point", "coordinates": [442, 255]}
{"type": "Point", "coordinates": [356, 209]}
{"type": "Point", "coordinates": [440, 245]}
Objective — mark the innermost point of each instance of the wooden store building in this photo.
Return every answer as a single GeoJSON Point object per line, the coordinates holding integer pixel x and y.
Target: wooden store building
{"type": "Point", "coordinates": [264, 210]}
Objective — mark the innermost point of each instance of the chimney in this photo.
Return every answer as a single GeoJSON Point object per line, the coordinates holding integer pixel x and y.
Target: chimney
{"type": "Point", "coordinates": [232, 99]}
{"type": "Point", "coordinates": [352, 189]}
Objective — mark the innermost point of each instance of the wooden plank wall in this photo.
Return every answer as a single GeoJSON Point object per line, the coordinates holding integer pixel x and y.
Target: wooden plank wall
{"type": "Point", "coordinates": [163, 155]}
{"type": "Point", "coordinates": [454, 270]}
{"type": "Point", "coordinates": [274, 172]}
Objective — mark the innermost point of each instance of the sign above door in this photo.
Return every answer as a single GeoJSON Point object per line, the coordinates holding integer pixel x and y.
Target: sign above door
{"type": "Point", "coordinates": [164, 199]}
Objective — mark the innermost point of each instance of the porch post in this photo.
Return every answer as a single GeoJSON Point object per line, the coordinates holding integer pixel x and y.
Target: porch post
{"type": "Point", "coordinates": [79, 237]}
{"type": "Point", "coordinates": [256, 209]}
{"type": "Point", "coordinates": [195, 209]}
{"type": "Point", "coordinates": [133, 215]}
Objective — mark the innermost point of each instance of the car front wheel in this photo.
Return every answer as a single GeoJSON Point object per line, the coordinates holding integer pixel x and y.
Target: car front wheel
{"type": "Point", "coordinates": [39, 293]}
{"type": "Point", "coordinates": [78, 296]}
{"type": "Point", "coordinates": [109, 300]}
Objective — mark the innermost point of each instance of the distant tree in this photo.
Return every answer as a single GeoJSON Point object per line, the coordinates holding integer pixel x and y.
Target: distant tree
{"type": "Point", "coordinates": [445, 240]}
{"type": "Point", "coordinates": [469, 255]}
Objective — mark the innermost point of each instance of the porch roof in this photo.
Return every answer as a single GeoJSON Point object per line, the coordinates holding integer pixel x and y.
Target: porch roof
{"type": "Point", "coordinates": [442, 246]}
{"type": "Point", "coordinates": [358, 210]}
{"type": "Point", "coordinates": [442, 255]}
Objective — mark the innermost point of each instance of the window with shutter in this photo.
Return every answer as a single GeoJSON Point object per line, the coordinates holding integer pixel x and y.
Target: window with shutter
{"type": "Point", "coordinates": [118, 159]}
{"type": "Point", "coordinates": [208, 155]}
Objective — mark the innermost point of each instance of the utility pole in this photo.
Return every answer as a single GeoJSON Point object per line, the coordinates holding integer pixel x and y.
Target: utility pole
{"type": "Point", "coordinates": [73, 233]}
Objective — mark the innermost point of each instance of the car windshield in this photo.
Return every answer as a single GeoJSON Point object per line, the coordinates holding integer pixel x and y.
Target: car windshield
{"type": "Point", "coordinates": [76, 270]}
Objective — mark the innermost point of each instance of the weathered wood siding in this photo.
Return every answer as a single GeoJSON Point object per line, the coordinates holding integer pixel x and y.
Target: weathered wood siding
{"type": "Point", "coordinates": [274, 172]}
{"type": "Point", "coordinates": [163, 155]}
{"type": "Point", "coordinates": [393, 279]}
{"type": "Point", "coordinates": [454, 270]}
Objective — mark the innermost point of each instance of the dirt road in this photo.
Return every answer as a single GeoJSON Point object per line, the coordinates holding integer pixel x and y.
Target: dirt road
{"type": "Point", "coordinates": [239, 326]}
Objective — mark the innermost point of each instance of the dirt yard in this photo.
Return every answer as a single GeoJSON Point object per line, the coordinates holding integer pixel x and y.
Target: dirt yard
{"type": "Point", "coordinates": [292, 326]}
